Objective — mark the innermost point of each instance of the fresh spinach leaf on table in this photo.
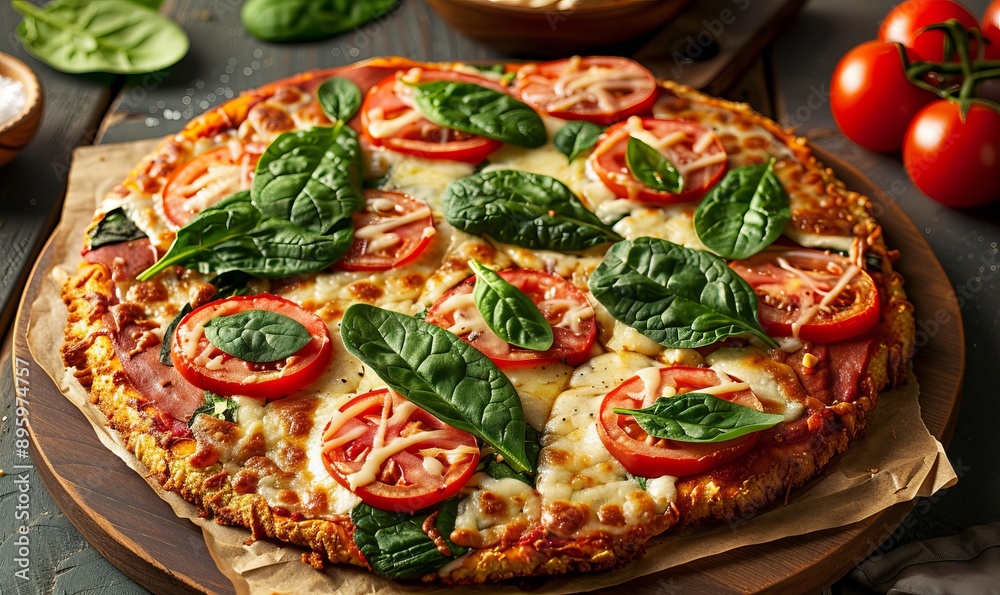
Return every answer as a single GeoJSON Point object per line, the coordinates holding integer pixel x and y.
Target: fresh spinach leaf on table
{"type": "Point", "coordinates": [744, 213]}
{"type": "Point", "coordinates": [676, 296]}
{"type": "Point", "coordinates": [441, 374]}
{"type": "Point", "coordinates": [509, 312]}
{"type": "Point", "coordinates": [699, 417]}
{"type": "Point", "coordinates": [107, 36]}
{"type": "Point", "coordinates": [308, 20]}
{"type": "Point", "coordinates": [525, 209]}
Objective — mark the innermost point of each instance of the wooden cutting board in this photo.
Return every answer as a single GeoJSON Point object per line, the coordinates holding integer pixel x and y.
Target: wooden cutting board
{"type": "Point", "coordinates": [122, 517]}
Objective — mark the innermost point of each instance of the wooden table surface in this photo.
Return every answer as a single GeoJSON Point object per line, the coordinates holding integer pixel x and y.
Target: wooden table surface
{"type": "Point", "coordinates": [224, 60]}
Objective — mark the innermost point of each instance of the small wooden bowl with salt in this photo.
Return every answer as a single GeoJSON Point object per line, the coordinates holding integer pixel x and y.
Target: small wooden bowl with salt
{"type": "Point", "coordinates": [21, 105]}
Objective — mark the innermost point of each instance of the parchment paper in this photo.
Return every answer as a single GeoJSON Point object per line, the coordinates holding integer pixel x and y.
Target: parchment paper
{"type": "Point", "coordinates": [897, 460]}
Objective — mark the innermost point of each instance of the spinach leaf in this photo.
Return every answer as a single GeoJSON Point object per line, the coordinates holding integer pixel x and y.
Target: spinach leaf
{"type": "Point", "coordinates": [501, 470]}
{"type": "Point", "coordinates": [395, 544]}
{"type": "Point", "coordinates": [230, 284]}
{"type": "Point", "coordinates": [576, 137]}
{"type": "Point", "coordinates": [698, 417]}
{"type": "Point", "coordinates": [508, 312]}
{"type": "Point", "coordinates": [340, 98]}
{"type": "Point", "coordinates": [107, 36]}
{"type": "Point", "coordinates": [217, 407]}
{"type": "Point", "coordinates": [311, 178]}
{"type": "Point", "coordinates": [168, 336]}
{"type": "Point", "coordinates": [641, 481]}
{"type": "Point", "coordinates": [114, 228]}
{"type": "Point", "coordinates": [308, 20]}
{"type": "Point", "coordinates": [477, 110]}
{"type": "Point", "coordinates": [676, 296]}
{"type": "Point", "coordinates": [650, 167]}
{"type": "Point", "coordinates": [232, 235]}
{"type": "Point", "coordinates": [441, 374]}
{"type": "Point", "coordinates": [258, 336]}
{"type": "Point", "coordinates": [744, 213]}
{"type": "Point", "coordinates": [525, 209]}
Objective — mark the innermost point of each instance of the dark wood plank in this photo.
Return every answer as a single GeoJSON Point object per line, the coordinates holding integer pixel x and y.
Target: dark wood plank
{"type": "Point", "coordinates": [112, 511]}
{"type": "Point", "coordinates": [33, 184]}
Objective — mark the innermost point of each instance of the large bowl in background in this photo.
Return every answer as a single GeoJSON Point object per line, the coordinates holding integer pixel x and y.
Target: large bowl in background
{"type": "Point", "coordinates": [520, 29]}
{"type": "Point", "coordinates": [16, 132]}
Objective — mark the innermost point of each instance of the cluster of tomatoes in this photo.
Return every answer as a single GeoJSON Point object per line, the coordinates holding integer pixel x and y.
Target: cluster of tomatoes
{"type": "Point", "coordinates": [924, 88]}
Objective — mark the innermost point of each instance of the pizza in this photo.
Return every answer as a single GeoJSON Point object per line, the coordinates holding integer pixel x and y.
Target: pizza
{"type": "Point", "coordinates": [458, 324]}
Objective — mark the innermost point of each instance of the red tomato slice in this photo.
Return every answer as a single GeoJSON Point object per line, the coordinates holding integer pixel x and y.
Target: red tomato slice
{"type": "Point", "coordinates": [207, 367]}
{"type": "Point", "coordinates": [394, 455]}
{"type": "Point", "coordinates": [598, 89]}
{"type": "Point", "coordinates": [564, 306]}
{"type": "Point", "coordinates": [695, 151]}
{"type": "Point", "coordinates": [822, 295]}
{"type": "Point", "coordinates": [205, 180]}
{"type": "Point", "coordinates": [644, 456]}
{"type": "Point", "coordinates": [390, 120]}
{"type": "Point", "coordinates": [392, 230]}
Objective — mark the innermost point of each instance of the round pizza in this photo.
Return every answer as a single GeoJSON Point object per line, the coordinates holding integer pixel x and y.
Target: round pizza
{"type": "Point", "coordinates": [458, 323]}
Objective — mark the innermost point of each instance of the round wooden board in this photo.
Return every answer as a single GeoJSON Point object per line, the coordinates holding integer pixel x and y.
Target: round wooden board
{"type": "Point", "coordinates": [118, 513]}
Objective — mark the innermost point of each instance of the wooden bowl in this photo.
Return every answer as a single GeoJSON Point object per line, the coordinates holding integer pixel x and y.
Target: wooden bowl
{"type": "Point", "coordinates": [547, 30]}
{"type": "Point", "coordinates": [17, 131]}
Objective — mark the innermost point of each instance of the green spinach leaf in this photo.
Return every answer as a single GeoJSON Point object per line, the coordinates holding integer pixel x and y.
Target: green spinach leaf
{"type": "Point", "coordinates": [107, 36]}
{"type": "Point", "coordinates": [509, 312]}
{"type": "Point", "coordinates": [650, 167]}
{"type": "Point", "coordinates": [114, 228]}
{"type": "Point", "coordinates": [258, 336]}
{"type": "Point", "coordinates": [440, 373]}
{"type": "Point", "coordinates": [217, 407]}
{"type": "Point", "coordinates": [525, 209]}
{"type": "Point", "coordinates": [744, 213]}
{"type": "Point", "coordinates": [308, 20]}
{"type": "Point", "coordinates": [477, 110]}
{"type": "Point", "coordinates": [311, 178]}
{"type": "Point", "coordinates": [641, 481]}
{"type": "Point", "coordinates": [339, 98]}
{"type": "Point", "coordinates": [501, 470]}
{"type": "Point", "coordinates": [168, 336]}
{"type": "Point", "coordinates": [230, 284]}
{"type": "Point", "coordinates": [676, 296]}
{"type": "Point", "coordinates": [395, 544]}
{"type": "Point", "coordinates": [232, 235]}
{"type": "Point", "coordinates": [698, 417]}
{"type": "Point", "coordinates": [575, 138]}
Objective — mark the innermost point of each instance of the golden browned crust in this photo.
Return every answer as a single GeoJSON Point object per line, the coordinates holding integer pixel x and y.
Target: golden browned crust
{"type": "Point", "coordinates": [784, 460]}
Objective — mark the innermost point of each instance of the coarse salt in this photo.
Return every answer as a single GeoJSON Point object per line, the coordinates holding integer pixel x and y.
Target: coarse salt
{"type": "Point", "coordinates": [12, 98]}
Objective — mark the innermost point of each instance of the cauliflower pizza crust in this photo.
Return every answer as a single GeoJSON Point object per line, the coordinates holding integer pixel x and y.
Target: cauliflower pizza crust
{"type": "Point", "coordinates": [297, 438]}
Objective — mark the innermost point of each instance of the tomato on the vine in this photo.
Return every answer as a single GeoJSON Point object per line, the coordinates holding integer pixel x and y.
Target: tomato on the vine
{"type": "Point", "coordinates": [905, 24]}
{"type": "Point", "coordinates": [871, 98]}
{"type": "Point", "coordinates": [990, 27]}
{"type": "Point", "coordinates": [953, 160]}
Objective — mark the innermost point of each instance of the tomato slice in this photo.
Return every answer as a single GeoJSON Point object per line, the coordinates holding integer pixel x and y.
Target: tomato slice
{"type": "Point", "coordinates": [207, 367]}
{"type": "Point", "coordinates": [813, 295]}
{"type": "Point", "coordinates": [207, 179]}
{"type": "Point", "coordinates": [645, 456]}
{"type": "Point", "coordinates": [392, 230]}
{"type": "Point", "coordinates": [390, 120]}
{"type": "Point", "coordinates": [696, 151]}
{"type": "Point", "coordinates": [599, 89]}
{"type": "Point", "coordinates": [563, 305]}
{"type": "Point", "coordinates": [394, 455]}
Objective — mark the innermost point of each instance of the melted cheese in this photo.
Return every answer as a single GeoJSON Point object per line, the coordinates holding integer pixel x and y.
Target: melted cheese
{"type": "Point", "coordinates": [775, 384]}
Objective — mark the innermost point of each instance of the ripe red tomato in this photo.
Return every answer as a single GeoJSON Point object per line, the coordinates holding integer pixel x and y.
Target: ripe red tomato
{"type": "Point", "coordinates": [871, 99]}
{"type": "Point", "coordinates": [563, 305]}
{"type": "Point", "coordinates": [696, 151]}
{"type": "Point", "coordinates": [903, 24]}
{"type": "Point", "coordinates": [599, 89]}
{"type": "Point", "coordinates": [394, 455]}
{"type": "Point", "coordinates": [794, 294]}
{"type": "Point", "coordinates": [205, 180]}
{"type": "Point", "coordinates": [392, 230]}
{"type": "Point", "coordinates": [208, 367]}
{"type": "Point", "coordinates": [954, 162]}
{"type": "Point", "coordinates": [390, 119]}
{"type": "Point", "coordinates": [991, 30]}
{"type": "Point", "coordinates": [644, 456]}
